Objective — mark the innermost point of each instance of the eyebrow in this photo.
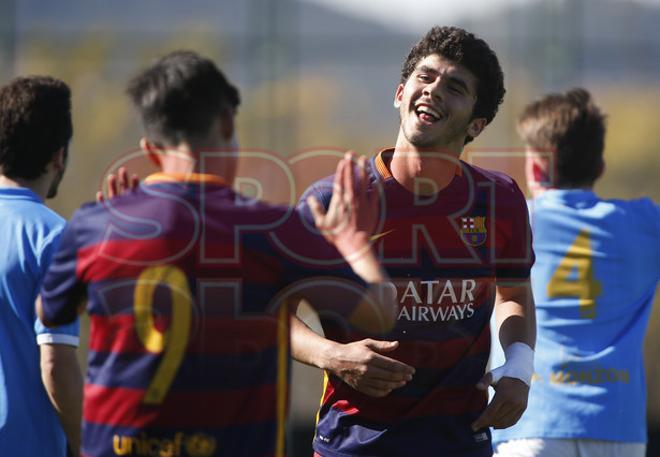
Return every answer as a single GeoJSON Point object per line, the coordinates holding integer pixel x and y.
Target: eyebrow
{"type": "Point", "coordinates": [427, 69]}
{"type": "Point", "coordinates": [452, 79]}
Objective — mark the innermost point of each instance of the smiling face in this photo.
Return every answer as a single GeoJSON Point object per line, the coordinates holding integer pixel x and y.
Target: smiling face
{"type": "Point", "coordinates": [435, 105]}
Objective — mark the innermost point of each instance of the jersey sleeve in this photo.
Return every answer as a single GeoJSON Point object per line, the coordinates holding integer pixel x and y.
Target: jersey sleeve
{"type": "Point", "coordinates": [516, 256]}
{"type": "Point", "coordinates": [311, 268]}
{"type": "Point", "coordinates": [322, 190]}
{"type": "Point", "coordinates": [67, 334]}
{"type": "Point", "coordinates": [654, 211]}
{"type": "Point", "coordinates": [306, 251]}
{"type": "Point", "coordinates": [62, 290]}
{"type": "Point", "coordinates": [648, 221]}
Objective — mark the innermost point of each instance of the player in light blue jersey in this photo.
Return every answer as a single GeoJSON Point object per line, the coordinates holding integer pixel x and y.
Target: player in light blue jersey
{"type": "Point", "coordinates": [35, 130]}
{"type": "Point", "coordinates": [594, 279]}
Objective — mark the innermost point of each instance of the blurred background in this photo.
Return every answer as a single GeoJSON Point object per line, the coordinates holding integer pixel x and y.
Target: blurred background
{"type": "Point", "coordinates": [321, 75]}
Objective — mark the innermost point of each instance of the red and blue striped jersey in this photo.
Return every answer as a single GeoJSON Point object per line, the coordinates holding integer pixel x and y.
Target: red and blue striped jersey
{"type": "Point", "coordinates": [188, 348]}
{"type": "Point", "coordinates": [446, 253]}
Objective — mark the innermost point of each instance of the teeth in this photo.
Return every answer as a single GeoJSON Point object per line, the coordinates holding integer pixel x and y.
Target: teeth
{"type": "Point", "coordinates": [428, 110]}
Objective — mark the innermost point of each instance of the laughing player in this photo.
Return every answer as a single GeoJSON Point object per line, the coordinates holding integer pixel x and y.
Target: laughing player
{"type": "Point", "coordinates": [455, 240]}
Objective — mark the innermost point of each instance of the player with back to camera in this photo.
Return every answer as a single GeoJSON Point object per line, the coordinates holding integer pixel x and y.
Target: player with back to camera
{"type": "Point", "coordinates": [35, 131]}
{"type": "Point", "coordinates": [189, 342]}
{"type": "Point", "coordinates": [594, 279]}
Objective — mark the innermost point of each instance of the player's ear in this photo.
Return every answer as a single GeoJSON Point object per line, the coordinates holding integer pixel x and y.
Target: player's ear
{"type": "Point", "coordinates": [151, 150]}
{"type": "Point", "coordinates": [227, 125]}
{"type": "Point", "coordinates": [59, 159]}
{"type": "Point", "coordinates": [476, 126]}
{"type": "Point", "coordinates": [398, 96]}
{"type": "Point", "coordinates": [601, 168]}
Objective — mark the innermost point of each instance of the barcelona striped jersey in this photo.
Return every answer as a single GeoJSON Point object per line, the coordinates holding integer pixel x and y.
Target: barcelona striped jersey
{"type": "Point", "coordinates": [445, 253]}
{"type": "Point", "coordinates": [188, 349]}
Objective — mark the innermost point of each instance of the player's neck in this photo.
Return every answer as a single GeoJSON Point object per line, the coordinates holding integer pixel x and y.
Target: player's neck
{"type": "Point", "coordinates": [423, 171]}
{"type": "Point", "coordinates": [537, 191]}
{"type": "Point", "coordinates": [184, 160]}
{"type": "Point", "coordinates": [39, 185]}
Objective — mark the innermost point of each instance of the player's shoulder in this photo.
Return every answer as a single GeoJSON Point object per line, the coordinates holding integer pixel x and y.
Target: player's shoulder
{"type": "Point", "coordinates": [501, 180]}
{"type": "Point", "coordinates": [644, 205]}
{"type": "Point", "coordinates": [507, 193]}
{"type": "Point", "coordinates": [30, 212]}
{"type": "Point", "coordinates": [38, 223]}
{"type": "Point", "coordinates": [321, 189]}
{"type": "Point", "coordinates": [88, 207]}
{"type": "Point", "coordinates": [642, 209]}
{"type": "Point", "coordinates": [125, 213]}
{"type": "Point", "coordinates": [256, 213]}
{"type": "Point", "coordinates": [91, 209]}
{"type": "Point", "coordinates": [163, 198]}
{"type": "Point", "coordinates": [51, 217]}
{"type": "Point", "coordinates": [322, 186]}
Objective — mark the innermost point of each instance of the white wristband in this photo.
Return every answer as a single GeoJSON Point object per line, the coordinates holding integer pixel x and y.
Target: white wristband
{"type": "Point", "coordinates": [519, 364]}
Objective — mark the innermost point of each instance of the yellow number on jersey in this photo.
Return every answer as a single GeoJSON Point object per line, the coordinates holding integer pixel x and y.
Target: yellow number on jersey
{"type": "Point", "coordinates": [584, 286]}
{"type": "Point", "coordinates": [172, 343]}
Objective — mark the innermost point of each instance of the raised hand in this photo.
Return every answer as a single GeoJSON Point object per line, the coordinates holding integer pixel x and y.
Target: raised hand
{"type": "Point", "coordinates": [352, 215]}
{"type": "Point", "coordinates": [118, 184]}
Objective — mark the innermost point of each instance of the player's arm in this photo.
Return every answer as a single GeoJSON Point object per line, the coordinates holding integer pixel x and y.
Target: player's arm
{"type": "Point", "coordinates": [516, 323]}
{"type": "Point", "coordinates": [63, 293]}
{"type": "Point", "coordinates": [77, 304]}
{"type": "Point", "coordinates": [348, 223]}
{"type": "Point", "coordinates": [60, 372]}
{"type": "Point", "coordinates": [362, 364]}
{"type": "Point", "coordinates": [62, 379]}
{"type": "Point", "coordinates": [515, 314]}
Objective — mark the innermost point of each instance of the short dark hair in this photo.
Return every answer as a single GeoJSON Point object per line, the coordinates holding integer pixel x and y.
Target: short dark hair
{"type": "Point", "coordinates": [571, 126]}
{"type": "Point", "coordinates": [473, 53]}
{"type": "Point", "coordinates": [35, 122]}
{"type": "Point", "coordinates": [180, 95]}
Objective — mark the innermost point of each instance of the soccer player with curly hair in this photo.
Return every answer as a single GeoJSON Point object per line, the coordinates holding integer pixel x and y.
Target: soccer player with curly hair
{"type": "Point", "coordinates": [455, 239]}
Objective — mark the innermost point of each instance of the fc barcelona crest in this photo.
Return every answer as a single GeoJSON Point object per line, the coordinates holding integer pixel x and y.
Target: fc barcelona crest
{"type": "Point", "coordinates": [473, 230]}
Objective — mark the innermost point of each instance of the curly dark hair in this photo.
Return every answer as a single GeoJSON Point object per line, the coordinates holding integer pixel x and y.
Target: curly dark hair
{"type": "Point", "coordinates": [473, 53]}
{"type": "Point", "coordinates": [180, 95]}
{"type": "Point", "coordinates": [573, 127]}
{"type": "Point", "coordinates": [35, 122]}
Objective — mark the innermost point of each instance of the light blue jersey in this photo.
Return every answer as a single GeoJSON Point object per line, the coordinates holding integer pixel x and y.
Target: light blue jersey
{"type": "Point", "coordinates": [29, 233]}
{"type": "Point", "coordinates": [597, 267]}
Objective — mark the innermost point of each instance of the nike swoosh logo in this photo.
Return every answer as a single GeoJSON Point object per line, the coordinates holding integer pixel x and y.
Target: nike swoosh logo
{"type": "Point", "coordinates": [380, 235]}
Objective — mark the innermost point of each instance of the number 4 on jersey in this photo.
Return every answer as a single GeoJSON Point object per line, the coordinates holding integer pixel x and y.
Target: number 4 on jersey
{"type": "Point", "coordinates": [574, 277]}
